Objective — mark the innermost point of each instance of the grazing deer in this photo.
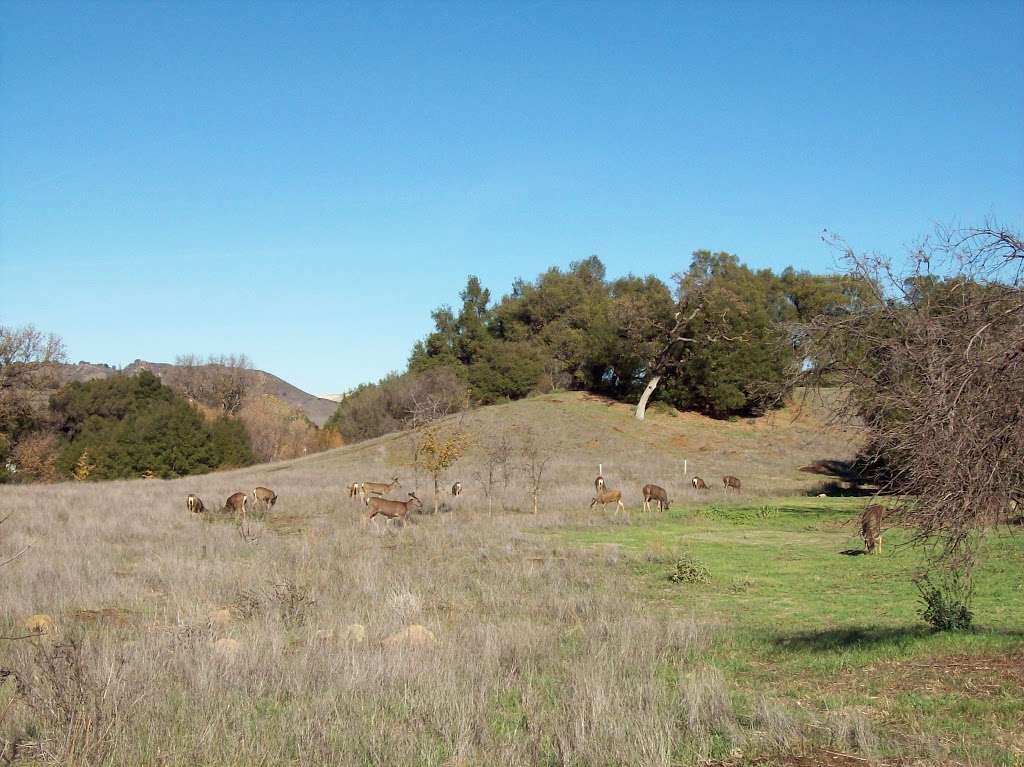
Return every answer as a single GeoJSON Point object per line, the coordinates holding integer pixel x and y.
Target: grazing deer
{"type": "Point", "coordinates": [195, 504]}
{"type": "Point", "coordinates": [457, 488]}
{"type": "Point", "coordinates": [699, 484]}
{"type": "Point", "coordinates": [237, 503]}
{"type": "Point", "coordinates": [264, 495]}
{"type": "Point", "coordinates": [392, 509]}
{"type": "Point", "coordinates": [609, 496]}
{"type": "Point", "coordinates": [655, 493]}
{"type": "Point", "coordinates": [378, 488]}
{"type": "Point", "coordinates": [729, 481]}
{"type": "Point", "coordinates": [871, 527]}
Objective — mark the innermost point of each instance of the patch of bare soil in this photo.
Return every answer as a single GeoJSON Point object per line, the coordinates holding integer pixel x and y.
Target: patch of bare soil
{"type": "Point", "coordinates": [973, 675]}
{"type": "Point", "coordinates": [815, 758]}
{"type": "Point", "coordinates": [114, 616]}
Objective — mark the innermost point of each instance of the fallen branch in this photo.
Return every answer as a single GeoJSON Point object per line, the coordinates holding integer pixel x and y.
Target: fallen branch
{"type": "Point", "coordinates": [8, 561]}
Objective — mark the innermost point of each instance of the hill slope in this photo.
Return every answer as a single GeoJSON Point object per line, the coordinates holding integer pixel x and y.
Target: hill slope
{"type": "Point", "coordinates": [578, 431]}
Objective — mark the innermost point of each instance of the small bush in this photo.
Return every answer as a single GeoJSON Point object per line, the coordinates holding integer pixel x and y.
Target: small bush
{"type": "Point", "coordinates": [689, 570]}
{"type": "Point", "coordinates": [945, 600]}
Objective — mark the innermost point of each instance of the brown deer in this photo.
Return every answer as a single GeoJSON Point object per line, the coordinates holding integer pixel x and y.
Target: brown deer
{"type": "Point", "coordinates": [264, 495]}
{"type": "Point", "coordinates": [599, 486]}
{"type": "Point", "coordinates": [871, 527]}
{"type": "Point", "coordinates": [699, 484]}
{"type": "Point", "coordinates": [457, 488]}
{"type": "Point", "coordinates": [655, 493]}
{"type": "Point", "coordinates": [392, 509]}
{"type": "Point", "coordinates": [378, 488]}
{"type": "Point", "coordinates": [195, 504]}
{"type": "Point", "coordinates": [237, 503]}
{"type": "Point", "coordinates": [609, 496]}
{"type": "Point", "coordinates": [729, 481]}
{"type": "Point", "coordinates": [355, 489]}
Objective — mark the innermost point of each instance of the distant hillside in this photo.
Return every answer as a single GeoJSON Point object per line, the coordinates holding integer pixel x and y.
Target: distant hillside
{"type": "Point", "coordinates": [317, 409]}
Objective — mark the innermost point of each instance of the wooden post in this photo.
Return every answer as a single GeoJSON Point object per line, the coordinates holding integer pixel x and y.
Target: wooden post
{"type": "Point", "coordinates": [685, 472]}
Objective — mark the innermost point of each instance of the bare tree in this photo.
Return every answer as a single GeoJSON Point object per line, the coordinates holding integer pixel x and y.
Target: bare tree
{"type": "Point", "coordinates": [497, 457]}
{"type": "Point", "coordinates": [935, 369]}
{"type": "Point", "coordinates": [222, 381]}
{"type": "Point", "coordinates": [28, 361]}
{"type": "Point", "coordinates": [535, 462]}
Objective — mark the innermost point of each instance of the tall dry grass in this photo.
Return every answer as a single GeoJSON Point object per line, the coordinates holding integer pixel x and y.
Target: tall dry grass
{"type": "Point", "coordinates": [179, 642]}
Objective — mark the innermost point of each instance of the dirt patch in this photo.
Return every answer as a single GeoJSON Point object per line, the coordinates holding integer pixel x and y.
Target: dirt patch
{"type": "Point", "coordinates": [974, 675]}
{"type": "Point", "coordinates": [114, 616]}
{"type": "Point", "coordinates": [815, 758]}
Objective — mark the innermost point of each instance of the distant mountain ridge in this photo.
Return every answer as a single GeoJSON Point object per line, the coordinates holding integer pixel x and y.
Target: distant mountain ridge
{"type": "Point", "coordinates": [317, 409]}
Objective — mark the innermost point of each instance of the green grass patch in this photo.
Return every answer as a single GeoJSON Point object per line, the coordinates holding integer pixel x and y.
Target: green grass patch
{"type": "Point", "coordinates": [806, 615]}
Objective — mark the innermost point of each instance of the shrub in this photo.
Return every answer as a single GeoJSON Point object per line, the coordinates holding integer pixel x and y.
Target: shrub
{"type": "Point", "coordinates": [945, 600]}
{"type": "Point", "coordinates": [36, 456]}
{"type": "Point", "coordinates": [687, 569]}
{"type": "Point", "coordinates": [134, 425]}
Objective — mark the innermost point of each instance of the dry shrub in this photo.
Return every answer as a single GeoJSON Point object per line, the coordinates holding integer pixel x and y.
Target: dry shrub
{"type": "Point", "coordinates": [74, 697]}
{"type": "Point", "coordinates": [36, 458]}
{"type": "Point", "coordinates": [279, 431]}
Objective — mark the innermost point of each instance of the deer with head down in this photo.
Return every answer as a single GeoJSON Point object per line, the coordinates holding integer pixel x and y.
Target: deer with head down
{"type": "Point", "coordinates": [655, 493]}
{"type": "Point", "coordinates": [392, 509]}
{"type": "Point", "coordinates": [194, 504]}
{"type": "Point", "coordinates": [871, 527]}
{"type": "Point", "coordinates": [265, 496]}
{"type": "Point", "coordinates": [237, 503]}
{"type": "Point", "coordinates": [699, 484]}
{"type": "Point", "coordinates": [729, 482]}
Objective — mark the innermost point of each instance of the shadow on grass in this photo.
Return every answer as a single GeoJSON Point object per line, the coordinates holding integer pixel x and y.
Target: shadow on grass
{"type": "Point", "coordinates": [852, 552]}
{"type": "Point", "coordinates": [868, 637]}
{"type": "Point", "coordinates": [850, 637]}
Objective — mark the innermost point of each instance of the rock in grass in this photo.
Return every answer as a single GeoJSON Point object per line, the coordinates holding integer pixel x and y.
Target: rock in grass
{"type": "Point", "coordinates": [39, 624]}
{"type": "Point", "coordinates": [414, 635]}
{"type": "Point", "coordinates": [227, 648]}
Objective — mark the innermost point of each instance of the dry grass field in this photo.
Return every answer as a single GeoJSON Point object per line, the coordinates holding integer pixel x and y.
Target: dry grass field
{"type": "Point", "coordinates": [462, 638]}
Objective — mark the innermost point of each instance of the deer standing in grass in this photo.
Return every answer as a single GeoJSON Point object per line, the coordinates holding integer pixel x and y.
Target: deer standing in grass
{"type": "Point", "coordinates": [457, 489]}
{"type": "Point", "coordinates": [699, 484]}
{"type": "Point", "coordinates": [378, 488]}
{"type": "Point", "coordinates": [264, 495]}
{"type": "Point", "coordinates": [237, 503]}
{"type": "Point", "coordinates": [392, 509]}
{"type": "Point", "coordinates": [655, 493]}
{"type": "Point", "coordinates": [731, 482]}
{"type": "Point", "coordinates": [871, 528]}
{"type": "Point", "coordinates": [609, 496]}
{"type": "Point", "coordinates": [195, 504]}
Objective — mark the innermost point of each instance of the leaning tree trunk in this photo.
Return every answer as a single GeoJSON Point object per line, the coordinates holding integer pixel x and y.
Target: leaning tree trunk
{"type": "Point", "coordinates": [437, 494]}
{"type": "Point", "coordinates": [641, 406]}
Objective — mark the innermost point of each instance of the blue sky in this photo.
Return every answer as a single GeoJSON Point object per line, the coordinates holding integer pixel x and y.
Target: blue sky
{"type": "Point", "coordinates": [304, 182]}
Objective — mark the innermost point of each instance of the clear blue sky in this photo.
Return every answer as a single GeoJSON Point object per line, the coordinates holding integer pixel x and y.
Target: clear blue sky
{"type": "Point", "coordinates": [304, 182]}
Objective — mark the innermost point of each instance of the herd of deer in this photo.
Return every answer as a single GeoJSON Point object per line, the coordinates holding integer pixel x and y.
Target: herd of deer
{"type": "Point", "coordinates": [604, 496]}
{"type": "Point", "coordinates": [372, 494]}
{"type": "Point", "coordinates": [237, 503]}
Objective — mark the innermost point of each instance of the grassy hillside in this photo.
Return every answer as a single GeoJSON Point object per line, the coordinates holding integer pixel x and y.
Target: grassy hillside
{"type": "Point", "coordinates": [554, 638]}
{"type": "Point", "coordinates": [580, 431]}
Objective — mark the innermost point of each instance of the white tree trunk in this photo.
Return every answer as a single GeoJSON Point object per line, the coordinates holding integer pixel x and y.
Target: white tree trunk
{"type": "Point", "coordinates": [641, 406]}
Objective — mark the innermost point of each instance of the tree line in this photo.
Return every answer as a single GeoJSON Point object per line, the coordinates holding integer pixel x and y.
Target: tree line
{"type": "Point", "coordinates": [203, 415]}
{"type": "Point", "coordinates": [720, 339]}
